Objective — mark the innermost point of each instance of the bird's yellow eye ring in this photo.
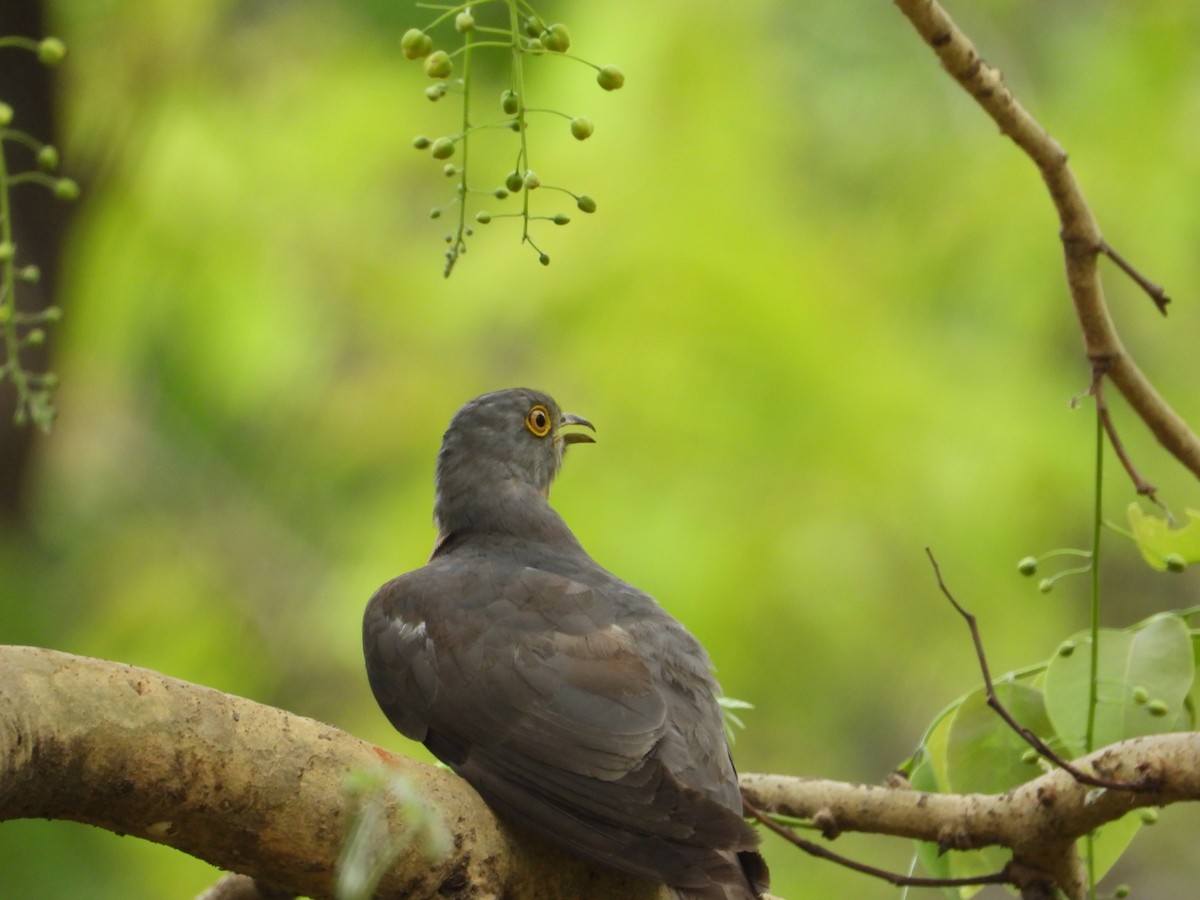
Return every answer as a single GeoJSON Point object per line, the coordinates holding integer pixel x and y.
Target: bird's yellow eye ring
{"type": "Point", "coordinates": [537, 420]}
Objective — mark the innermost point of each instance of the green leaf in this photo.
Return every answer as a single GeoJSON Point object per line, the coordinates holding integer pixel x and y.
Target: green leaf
{"type": "Point", "coordinates": [960, 753]}
{"type": "Point", "coordinates": [1109, 842]}
{"type": "Point", "coordinates": [929, 774]}
{"type": "Point", "coordinates": [1158, 540]}
{"type": "Point", "coordinates": [983, 754]}
{"type": "Point", "coordinates": [1156, 657]}
{"type": "Point", "coordinates": [1192, 701]}
{"type": "Point", "coordinates": [974, 750]}
{"type": "Point", "coordinates": [732, 720]}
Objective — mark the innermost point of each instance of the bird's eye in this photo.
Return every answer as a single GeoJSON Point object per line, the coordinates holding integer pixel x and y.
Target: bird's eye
{"type": "Point", "coordinates": [537, 420]}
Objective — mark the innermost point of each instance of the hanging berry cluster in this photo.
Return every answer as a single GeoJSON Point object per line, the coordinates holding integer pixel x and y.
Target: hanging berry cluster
{"type": "Point", "coordinates": [523, 35]}
{"type": "Point", "coordinates": [21, 329]}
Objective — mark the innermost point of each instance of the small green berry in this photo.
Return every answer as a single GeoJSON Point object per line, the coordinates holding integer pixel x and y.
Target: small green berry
{"type": "Point", "coordinates": [482, 218]}
{"type": "Point", "coordinates": [1030, 757]}
{"type": "Point", "coordinates": [582, 128]}
{"type": "Point", "coordinates": [421, 142]}
{"type": "Point", "coordinates": [1121, 891]}
{"type": "Point", "coordinates": [585, 203]}
{"type": "Point", "coordinates": [35, 337]}
{"type": "Point", "coordinates": [438, 64]}
{"type": "Point", "coordinates": [1027, 566]}
{"type": "Point", "coordinates": [32, 275]}
{"type": "Point", "coordinates": [449, 170]}
{"type": "Point", "coordinates": [610, 78]}
{"type": "Point", "coordinates": [1148, 815]}
{"type": "Point", "coordinates": [500, 193]}
{"type": "Point", "coordinates": [1141, 696]}
{"type": "Point", "coordinates": [514, 182]}
{"type": "Point", "coordinates": [1175, 563]}
{"type": "Point", "coordinates": [509, 103]}
{"type": "Point", "coordinates": [464, 22]}
{"type": "Point", "coordinates": [1066, 648]}
{"type": "Point", "coordinates": [1157, 708]}
{"type": "Point", "coordinates": [561, 219]}
{"type": "Point", "coordinates": [556, 38]}
{"type": "Point", "coordinates": [534, 27]}
{"type": "Point", "coordinates": [7, 251]}
{"type": "Point", "coordinates": [6, 114]}
{"type": "Point", "coordinates": [415, 44]}
{"type": "Point", "coordinates": [435, 213]}
{"type": "Point", "coordinates": [442, 148]}
{"type": "Point", "coordinates": [66, 189]}
{"type": "Point", "coordinates": [1046, 585]}
{"type": "Point", "coordinates": [544, 259]}
{"type": "Point", "coordinates": [532, 181]}
{"type": "Point", "coordinates": [436, 92]}
{"type": "Point", "coordinates": [51, 51]}
{"type": "Point", "coordinates": [52, 313]}
{"type": "Point", "coordinates": [47, 158]}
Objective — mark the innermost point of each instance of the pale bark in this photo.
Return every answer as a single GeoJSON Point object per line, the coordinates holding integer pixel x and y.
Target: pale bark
{"type": "Point", "coordinates": [262, 792]}
{"type": "Point", "coordinates": [247, 787]}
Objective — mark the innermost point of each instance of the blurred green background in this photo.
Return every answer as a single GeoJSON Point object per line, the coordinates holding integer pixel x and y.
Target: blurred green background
{"type": "Point", "coordinates": [819, 321]}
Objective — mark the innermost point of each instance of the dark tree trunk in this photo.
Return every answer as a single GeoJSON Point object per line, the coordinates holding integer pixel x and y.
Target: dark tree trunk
{"type": "Point", "coordinates": [39, 224]}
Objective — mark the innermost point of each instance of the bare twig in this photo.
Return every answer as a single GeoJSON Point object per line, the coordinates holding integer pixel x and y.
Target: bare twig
{"type": "Point", "coordinates": [1140, 484]}
{"type": "Point", "coordinates": [1079, 232]}
{"type": "Point", "coordinates": [1142, 784]}
{"type": "Point", "coordinates": [1154, 291]}
{"type": "Point", "coordinates": [899, 880]}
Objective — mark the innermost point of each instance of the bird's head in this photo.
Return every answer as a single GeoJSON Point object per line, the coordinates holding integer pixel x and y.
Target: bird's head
{"type": "Point", "coordinates": [499, 444]}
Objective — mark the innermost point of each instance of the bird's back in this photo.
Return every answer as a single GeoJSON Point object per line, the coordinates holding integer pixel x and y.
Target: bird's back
{"type": "Point", "coordinates": [571, 701]}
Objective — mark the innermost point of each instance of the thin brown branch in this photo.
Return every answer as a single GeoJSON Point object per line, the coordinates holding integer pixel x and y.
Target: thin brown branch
{"type": "Point", "coordinates": [895, 878]}
{"type": "Point", "coordinates": [1079, 232]}
{"type": "Point", "coordinates": [1140, 484]}
{"type": "Point", "coordinates": [993, 701]}
{"type": "Point", "coordinates": [1154, 291]}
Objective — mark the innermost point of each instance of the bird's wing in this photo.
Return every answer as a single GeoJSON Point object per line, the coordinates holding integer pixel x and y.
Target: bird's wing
{"type": "Point", "coordinates": [528, 685]}
{"type": "Point", "coordinates": [489, 654]}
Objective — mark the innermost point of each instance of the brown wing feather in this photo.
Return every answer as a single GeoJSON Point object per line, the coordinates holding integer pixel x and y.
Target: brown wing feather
{"type": "Point", "coordinates": [531, 685]}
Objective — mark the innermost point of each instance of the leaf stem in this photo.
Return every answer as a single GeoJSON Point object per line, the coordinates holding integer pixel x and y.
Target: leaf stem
{"type": "Point", "coordinates": [1094, 662]}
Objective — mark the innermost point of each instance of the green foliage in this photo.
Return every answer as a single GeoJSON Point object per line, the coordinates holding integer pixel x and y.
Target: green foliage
{"type": "Point", "coordinates": [20, 329]}
{"type": "Point", "coordinates": [1164, 547]}
{"type": "Point", "coordinates": [521, 34]}
{"type": "Point", "coordinates": [733, 722]}
{"type": "Point", "coordinates": [370, 847]}
{"type": "Point", "coordinates": [1146, 677]}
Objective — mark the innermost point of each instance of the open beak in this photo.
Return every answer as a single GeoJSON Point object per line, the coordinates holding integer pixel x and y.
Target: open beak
{"type": "Point", "coordinates": [575, 437]}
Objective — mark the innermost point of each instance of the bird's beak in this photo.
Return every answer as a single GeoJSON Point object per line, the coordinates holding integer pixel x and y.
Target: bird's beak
{"type": "Point", "coordinates": [575, 437]}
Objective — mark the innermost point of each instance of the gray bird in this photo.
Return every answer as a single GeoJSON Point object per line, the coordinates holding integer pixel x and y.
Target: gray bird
{"type": "Point", "coordinates": [570, 700]}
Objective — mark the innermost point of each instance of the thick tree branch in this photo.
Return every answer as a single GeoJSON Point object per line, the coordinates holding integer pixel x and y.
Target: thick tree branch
{"type": "Point", "coordinates": [1081, 238]}
{"type": "Point", "coordinates": [1051, 809]}
{"type": "Point", "coordinates": [244, 786]}
{"type": "Point", "coordinates": [262, 792]}
{"type": "Point", "coordinates": [1040, 821]}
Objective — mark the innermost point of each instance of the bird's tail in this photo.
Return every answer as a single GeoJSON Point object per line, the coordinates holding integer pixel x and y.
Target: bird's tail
{"type": "Point", "coordinates": [740, 875]}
